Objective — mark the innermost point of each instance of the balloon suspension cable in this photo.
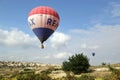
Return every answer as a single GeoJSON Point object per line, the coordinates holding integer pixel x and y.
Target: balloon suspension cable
{"type": "Point", "coordinates": [42, 46]}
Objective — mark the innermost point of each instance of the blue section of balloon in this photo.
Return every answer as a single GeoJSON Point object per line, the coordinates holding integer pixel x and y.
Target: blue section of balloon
{"type": "Point", "coordinates": [42, 33]}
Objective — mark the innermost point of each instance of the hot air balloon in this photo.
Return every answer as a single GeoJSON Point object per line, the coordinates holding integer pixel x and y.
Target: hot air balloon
{"type": "Point", "coordinates": [93, 54]}
{"type": "Point", "coordinates": [43, 21]}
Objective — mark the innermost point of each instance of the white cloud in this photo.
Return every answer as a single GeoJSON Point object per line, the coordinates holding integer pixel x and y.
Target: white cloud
{"type": "Point", "coordinates": [115, 9]}
{"type": "Point", "coordinates": [61, 55]}
{"type": "Point", "coordinates": [100, 34]}
{"type": "Point", "coordinates": [16, 38]}
{"type": "Point", "coordinates": [85, 46]}
{"type": "Point", "coordinates": [51, 58]}
{"type": "Point", "coordinates": [79, 31]}
{"type": "Point", "coordinates": [104, 40]}
{"type": "Point", "coordinates": [59, 40]}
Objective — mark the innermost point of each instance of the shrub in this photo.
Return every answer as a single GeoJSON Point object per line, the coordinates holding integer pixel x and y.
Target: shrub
{"type": "Point", "coordinates": [32, 76]}
{"type": "Point", "coordinates": [77, 63]}
{"type": "Point", "coordinates": [86, 77]}
{"type": "Point", "coordinates": [115, 75]}
{"type": "Point", "coordinates": [70, 76]}
{"type": "Point", "coordinates": [1, 77]}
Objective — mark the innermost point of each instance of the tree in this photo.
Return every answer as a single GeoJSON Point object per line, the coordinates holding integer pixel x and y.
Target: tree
{"type": "Point", "coordinates": [77, 63]}
{"type": "Point", "coordinates": [103, 63]}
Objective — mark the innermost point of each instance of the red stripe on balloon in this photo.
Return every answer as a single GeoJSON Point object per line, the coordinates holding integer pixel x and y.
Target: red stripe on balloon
{"type": "Point", "coordinates": [44, 10]}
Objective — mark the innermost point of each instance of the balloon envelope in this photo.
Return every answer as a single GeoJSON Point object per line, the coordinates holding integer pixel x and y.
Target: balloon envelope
{"type": "Point", "coordinates": [43, 20]}
{"type": "Point", "coordinates": [93, 54]}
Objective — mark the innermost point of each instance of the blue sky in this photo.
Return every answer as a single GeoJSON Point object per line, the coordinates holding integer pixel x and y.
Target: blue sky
{"type": "Point", "coordinates": [85, 26]}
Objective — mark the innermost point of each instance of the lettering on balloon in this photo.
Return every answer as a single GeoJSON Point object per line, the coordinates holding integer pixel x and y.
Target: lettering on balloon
{"type": "Point", "coordinates": [51, 22]}
{"type": "Point", "coordinates": [32, 21]}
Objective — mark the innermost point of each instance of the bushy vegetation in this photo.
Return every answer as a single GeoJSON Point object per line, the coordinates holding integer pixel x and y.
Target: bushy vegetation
{"type": "Point", "coordinates": [85, 77]}
{"type": "Point", "coordinates": [29, 74]}
{"type": "Point", "coordinates": [115, 73]}
{"type": "Point", "coordinates": [77, 63]}
{"type": "Point", "coordinates": [1, 77]}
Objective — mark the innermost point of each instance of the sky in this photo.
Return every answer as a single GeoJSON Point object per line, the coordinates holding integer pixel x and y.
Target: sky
{"type": "Point", "coordinates": [86, 26]}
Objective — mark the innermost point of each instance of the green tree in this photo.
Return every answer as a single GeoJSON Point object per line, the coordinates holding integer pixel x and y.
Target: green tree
{"type": "Point", "coordinates": [66, 66]}
{"type": "Point", "coordinates": [103, 63]}
{"type": "Point", "coordinates": [77, 63]}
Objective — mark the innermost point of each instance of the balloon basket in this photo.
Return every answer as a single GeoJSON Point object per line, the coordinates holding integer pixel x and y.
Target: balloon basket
{"type": "Point", "coordinates": [42, 46]}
